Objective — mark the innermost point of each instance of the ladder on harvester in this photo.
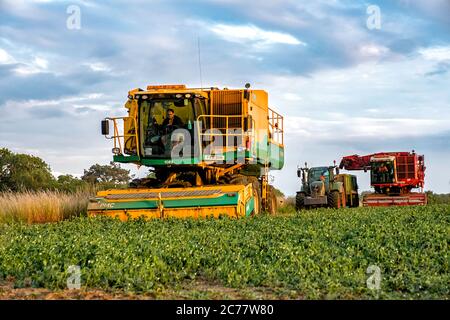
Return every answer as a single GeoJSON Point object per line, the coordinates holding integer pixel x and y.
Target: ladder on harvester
{"type": "Point", "coordinates": [265, 187]}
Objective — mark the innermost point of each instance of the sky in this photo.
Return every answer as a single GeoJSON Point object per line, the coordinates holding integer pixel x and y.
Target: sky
{"type": "Point", "coordinates": [350, 77]}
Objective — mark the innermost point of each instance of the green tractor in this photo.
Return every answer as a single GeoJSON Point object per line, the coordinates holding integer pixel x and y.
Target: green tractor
{"type": "Point", "coordinates": [325, 187]}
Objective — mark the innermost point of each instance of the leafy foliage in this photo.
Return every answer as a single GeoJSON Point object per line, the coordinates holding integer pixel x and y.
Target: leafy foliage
{"type": "Point", "coordinates": [111, 174]}
{"type": "Point", "coordinates": [21, 171]}
{"type": "Point", "coordinates": [434, 198]}
{"type": "Point", "coordinates": [320, 253]}
{"type": "Point", "coordinates": [69, 183]}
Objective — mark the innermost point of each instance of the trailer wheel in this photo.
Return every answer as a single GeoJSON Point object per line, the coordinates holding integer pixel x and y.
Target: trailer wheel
{"type": "Point", "coordinates": [334, 199]}
{"type": "Point", "coordinates": [300, 201]}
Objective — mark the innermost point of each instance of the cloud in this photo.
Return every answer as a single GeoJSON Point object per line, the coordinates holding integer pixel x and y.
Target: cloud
{"type": "Point", "coordinates": [5, 57]}
{"type": "Point", "coordinates": [436, 9]}
{"type": "Point", "coordinates": [362, 128]}
{"type": "Point", "coordinates": [440, 69]}
{"type": "Point", "coordinates": [372, 50]}
{"type": "Point", "coordinates": [439, 54]}
{"type": "Point", "coordinates": [37, 65]}
{"type": "Point", "coordinates": [98, 67]}
{"type": "Point", "coordinates": [252, 35]}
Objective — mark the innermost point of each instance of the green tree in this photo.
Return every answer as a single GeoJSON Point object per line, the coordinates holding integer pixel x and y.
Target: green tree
{"type": "Point", "coordinates": [70, 183]}
{"type": "Point", "coordinates": [434, 198]}
{"type": "Point", "coordinates": [111, 174]}
{"type": "Point", "coordinates": [23, 172]}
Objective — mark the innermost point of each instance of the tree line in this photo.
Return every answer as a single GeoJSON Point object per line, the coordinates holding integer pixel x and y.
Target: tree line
{"type": "Point", "coordinates": [24, 172]}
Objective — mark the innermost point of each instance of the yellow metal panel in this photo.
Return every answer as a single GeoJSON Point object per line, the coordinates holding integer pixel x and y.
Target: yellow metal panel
{"type": "Point", "coordinates": [220, 188]}
{"type": "Point", "coordinates": [235, 211]}
{"type": "Point", "coordinates": [196, 213]}
{"type": "Point", "coordinates": [258, 109]}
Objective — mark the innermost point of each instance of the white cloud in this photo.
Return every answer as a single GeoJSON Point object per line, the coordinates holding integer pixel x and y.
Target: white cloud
{"type": "Point", "coordinates": [373, 50]}
{"type": "Point", "coordinates": [438, 54]}
{"type": "Point", "coordinates": [254, 35]}
{"type": "Point", "coordinates": [5, 57]}
{"type": "Point", "coordinates": [349, 128]}
{"type": "Point", "coordinates": [37, 65]}
{"type": "Point", "coordinates": [98, 66]}
{"type": "Point", "coordinates": [290, 96]}
{"type": "Point", "coordinates": [26, 61]}
{"type": "Point", "coordinates": [75, 105]}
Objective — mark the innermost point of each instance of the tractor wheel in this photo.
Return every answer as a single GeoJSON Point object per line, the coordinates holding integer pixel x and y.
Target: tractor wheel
{"type": "Point", "coordinates": [256, 186]}
{"type": "Point", "coordinates": [300, 201]}
{"type": "Point", "coordinates": [272, 199]}
{"type": "Point", "coordinates": [334, 199]}
{"type": "Point", "coordinates": [355, 201]}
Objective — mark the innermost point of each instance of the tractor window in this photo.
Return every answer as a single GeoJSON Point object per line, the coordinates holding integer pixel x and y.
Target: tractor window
{"type": "Point", "coordinates": [315, 174]}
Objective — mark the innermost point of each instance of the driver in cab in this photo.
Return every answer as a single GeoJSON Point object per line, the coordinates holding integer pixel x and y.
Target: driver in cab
{"type": "Point", "coordinates": [171, 122]}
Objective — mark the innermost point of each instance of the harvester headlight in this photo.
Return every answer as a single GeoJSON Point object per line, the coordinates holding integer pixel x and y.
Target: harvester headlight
{"type": "Point", "coordinates": [116, 151]}
{"type": "Point", "coordinates": [130, 96]}
{"type": "Point", "coordinates": [178, 96]}
{"type": "Point", "coordinates": [144, 97]}
{"type": "Point", "coordinates": [187, 95]}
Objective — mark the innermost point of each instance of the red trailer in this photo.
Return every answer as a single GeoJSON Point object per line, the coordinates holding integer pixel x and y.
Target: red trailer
{"type": "Point", "coordinates": [393, 175]}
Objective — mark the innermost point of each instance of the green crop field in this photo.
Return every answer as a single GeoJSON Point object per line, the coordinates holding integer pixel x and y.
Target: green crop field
{"type": "Point", "coordinates": [321, 254]}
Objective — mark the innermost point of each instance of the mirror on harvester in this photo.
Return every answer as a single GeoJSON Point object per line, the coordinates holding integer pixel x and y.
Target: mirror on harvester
{"type": "Point", "coordinates": [105, 127]}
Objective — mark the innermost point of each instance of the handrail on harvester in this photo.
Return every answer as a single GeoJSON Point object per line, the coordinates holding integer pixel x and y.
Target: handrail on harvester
{"type": "Point", "coordinates": [117, 136]}
{"type": "Point", "coordinates": [276, 127]}
{"type": "Point", "coordinates": [229, 131]}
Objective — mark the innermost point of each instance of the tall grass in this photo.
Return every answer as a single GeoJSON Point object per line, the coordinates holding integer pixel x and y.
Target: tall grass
{"type": "Point", "coordinates": [42, 206]}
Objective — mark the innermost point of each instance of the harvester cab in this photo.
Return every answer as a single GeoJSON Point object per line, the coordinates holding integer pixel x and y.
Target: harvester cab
{"type": "Point", "coordinates": [211, 148]}
{"type": "Point", "coordinates": [383, 170]}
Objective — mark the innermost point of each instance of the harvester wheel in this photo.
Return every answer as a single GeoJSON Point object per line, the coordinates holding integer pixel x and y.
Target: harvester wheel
{"type": "Point", "coordinates": [334, 199]}
{"type": "Point", "coordinates": [272, 198]}
{"type": "Point", "coordinates": [300, 201]}
{"type": "Point", "coordinates": [256, 194]}
{"type": "Point", "coordinates": [239, 179]}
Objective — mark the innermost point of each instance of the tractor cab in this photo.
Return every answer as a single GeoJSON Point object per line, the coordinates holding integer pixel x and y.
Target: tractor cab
{"type": "Point", "coordinates": [317, 180]}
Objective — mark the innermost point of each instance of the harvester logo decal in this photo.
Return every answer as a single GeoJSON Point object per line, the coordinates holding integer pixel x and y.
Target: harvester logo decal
{"type": "Point", "coordinates": [106, 205]}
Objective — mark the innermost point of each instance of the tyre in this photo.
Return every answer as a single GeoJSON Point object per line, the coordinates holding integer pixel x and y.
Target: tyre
{"type": "Point", "coordinates": [355, 201]}
{"type": "Point", "coordinates": [334, 199]}
{"type": "Point", "coordinates": [239, 179]}
{"type": "Point", "coordinates": [300, 201]}
{"type": "Point", "coordinates": [272, 200]}
{"type": "Point", "coordinates": [256, 186]}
